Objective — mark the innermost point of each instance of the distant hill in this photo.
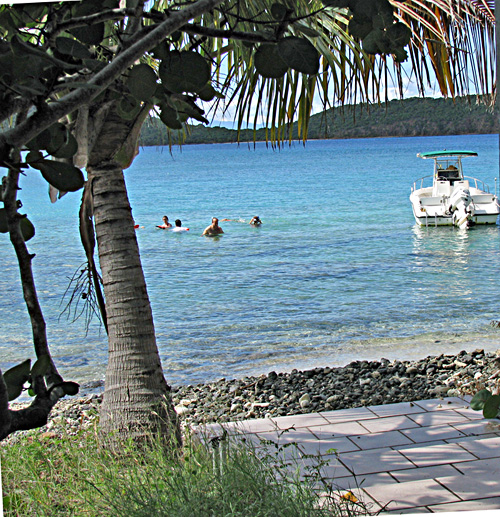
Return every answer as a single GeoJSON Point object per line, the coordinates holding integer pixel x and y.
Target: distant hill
{"type": "Point", "coordinates": [408, 117]}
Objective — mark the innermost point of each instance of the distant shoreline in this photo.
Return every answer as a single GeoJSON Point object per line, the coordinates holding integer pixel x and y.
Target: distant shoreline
{"type": "Point", "coordinates": [300, 142]}
{"type": "Point", "coordinates": [398, 118]}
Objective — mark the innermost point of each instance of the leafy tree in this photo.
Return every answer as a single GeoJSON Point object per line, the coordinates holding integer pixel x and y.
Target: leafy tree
{"type": "Point", "coordinates": [46, 73]}
{"type": "Point", "coordinates": [87, 95]}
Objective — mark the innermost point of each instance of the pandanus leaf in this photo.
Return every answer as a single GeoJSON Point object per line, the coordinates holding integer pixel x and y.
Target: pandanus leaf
{"type": "Point", "coordinates": [91, 35]}
{"type": "Point", "coordinates": [268, 61]}
{"type": "Point", "coordinates": [491, 407]}
{"type": "Point", "coordinates": [41, 366]}
{"type": "Point", "coordinates": [299, 54]}
{"type": "Point", "coordinates": [141, 82]}
{"type": "Point", "coordinates": [184, 72]}
{"type": "Point", "coordinates": [169, 117]}
{"type": "Point", "coordinates": [56, 140]}
{"type": "Point", "coordinates": [279, 11]}
{"type": "Point", "coordinates": [16, 377]}
{"type": "Point", "coordinates": [3, 221]}
{"type": "Point", "coordinates": [69, 388]}
{"type": "Point", "coordinates": [478, 400]}
{"type": "Point", "coordinates": [62, 176]}
{"type": "Point", "coordinates": [128, 108]}
{"type": "Point", "coordinates": [27, 229]}
{"type": "Point", "coordinates": [360, 29]}
{"type": "Point", "coordinates": [72, 47]}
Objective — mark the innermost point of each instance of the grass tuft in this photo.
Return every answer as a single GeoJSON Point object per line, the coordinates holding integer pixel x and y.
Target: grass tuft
{"type": "Point", "coordinates": [46, 475]}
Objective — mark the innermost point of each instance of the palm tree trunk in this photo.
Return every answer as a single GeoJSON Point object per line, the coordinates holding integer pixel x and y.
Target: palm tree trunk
{"type": "Point", "coordinates": [137, 398]}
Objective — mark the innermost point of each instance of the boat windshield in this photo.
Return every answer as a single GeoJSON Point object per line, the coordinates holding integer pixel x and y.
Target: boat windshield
{"type": "Point", "coordinates": [449, 168]}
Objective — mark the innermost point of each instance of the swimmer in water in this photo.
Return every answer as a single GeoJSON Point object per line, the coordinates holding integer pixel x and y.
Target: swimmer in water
{"type": "Point", "coordinates": [255, 221]}
{"type": "Point", "coordinates": [213, 229]}
{"type": "Point", "coordinates": [178, 226]}
{"type": "Point", "coordinates": [165, 224]}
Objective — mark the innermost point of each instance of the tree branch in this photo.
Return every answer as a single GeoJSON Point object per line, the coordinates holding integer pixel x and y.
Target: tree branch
{"type": "Point", "coordinates": [10, 189]}
{"type": "Point", "coordinates": [252, 37]}
{"type": "Point", "coordinates": [45, 117]}
{"type": "Point", "coordinates": [92, 19]}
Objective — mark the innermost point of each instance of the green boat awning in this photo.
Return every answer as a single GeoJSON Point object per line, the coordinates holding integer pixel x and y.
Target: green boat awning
{"type": "Point", "coordinates": [444, 154]}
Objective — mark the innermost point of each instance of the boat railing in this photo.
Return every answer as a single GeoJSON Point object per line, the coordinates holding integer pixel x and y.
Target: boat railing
{"type": "Point", "coordinates": [478, 184]}
{"type": "Point", "coordinates": [418, 184]}
{"type": "Point", "coordinates": [481, 185]}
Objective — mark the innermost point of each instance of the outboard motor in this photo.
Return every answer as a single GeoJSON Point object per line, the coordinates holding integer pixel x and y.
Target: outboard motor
{"type": "Point", "coordinates": [461, 207]}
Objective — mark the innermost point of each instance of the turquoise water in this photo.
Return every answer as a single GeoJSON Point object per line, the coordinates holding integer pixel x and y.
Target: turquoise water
{"type": "Point", "coordinates": [337, 272]}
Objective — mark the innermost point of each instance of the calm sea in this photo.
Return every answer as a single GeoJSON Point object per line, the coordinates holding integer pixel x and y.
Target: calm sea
{"type": "Point", "coordinates": [337, 272]}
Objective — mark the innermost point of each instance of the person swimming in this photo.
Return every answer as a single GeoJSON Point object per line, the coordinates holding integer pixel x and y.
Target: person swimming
{"type": "Point", "coordinates": [255, 221]}
{"type": "Point", "coordinates": [166, 225]}
{"type": "Point", "coordinates": [213, 229]}
{"type": "Point", "coordinates": [178, 226]}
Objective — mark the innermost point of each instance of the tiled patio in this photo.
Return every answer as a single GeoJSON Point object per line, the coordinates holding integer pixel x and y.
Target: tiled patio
{"type": "Point", "coordinates": [426, 456]}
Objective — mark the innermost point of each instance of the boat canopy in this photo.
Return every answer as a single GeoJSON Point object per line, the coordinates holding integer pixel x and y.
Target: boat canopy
{"type": "Point", "coordinates": [444, 154]}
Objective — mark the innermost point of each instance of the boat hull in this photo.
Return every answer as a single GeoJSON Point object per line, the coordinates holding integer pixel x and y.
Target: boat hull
{"type": "Point", "coordinates": [448, 220]}
{"type": "Point", "coordinates": [434, 211]}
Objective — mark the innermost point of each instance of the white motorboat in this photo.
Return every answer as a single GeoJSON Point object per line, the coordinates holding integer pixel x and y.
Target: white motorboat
{"type": "Point", "coordinates": [453, 199]}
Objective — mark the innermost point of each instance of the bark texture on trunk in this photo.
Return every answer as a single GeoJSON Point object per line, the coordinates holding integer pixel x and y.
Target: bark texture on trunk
{"type": "Point", "coordinates": [137, 398]}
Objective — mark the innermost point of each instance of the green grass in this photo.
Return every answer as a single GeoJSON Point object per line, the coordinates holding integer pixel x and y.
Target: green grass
{"type": "Point", "coordinates": [75, 476]}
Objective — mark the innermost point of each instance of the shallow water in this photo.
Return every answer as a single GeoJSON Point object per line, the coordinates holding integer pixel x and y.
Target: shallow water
{"type": "Point", "coordinates": [338, 271]}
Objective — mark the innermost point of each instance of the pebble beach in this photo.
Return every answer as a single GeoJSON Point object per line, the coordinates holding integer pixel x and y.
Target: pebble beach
{"type": "Point", "coordinates": [360, 383]}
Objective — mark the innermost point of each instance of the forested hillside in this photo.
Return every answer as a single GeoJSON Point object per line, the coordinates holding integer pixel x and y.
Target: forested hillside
{"type": "Point", "coordinates": [409, 117]}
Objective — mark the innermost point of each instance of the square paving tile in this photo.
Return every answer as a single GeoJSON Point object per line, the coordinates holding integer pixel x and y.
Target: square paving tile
{"type": "Point", "coordinates": [411, 511]}
{"type": "Point", "coordinates": [438, 417]}
{"type": "Point", "coordinates": [478, 427]}
{"type": "Point", "coordinates": [390, 423]}
{"type": "Point", "coordinates": [352, 482]}
{"type": "Point", "coordinates": [411, 494]}
{"type": "Point", "coordinates": [436, 471]}
{"type": "Point", "coordinates": [378, 440]}
{"type": "Point", "coordinates": [340, 429]}
{"type": "Point", "coordinates": [323, 443]}
{"type": "Point", "coordinates": [402, 408]}
{"type": "Point", "coordinates": [470, 413]}
{"type": "Point", "coordinates": [478, 486]}
{"type": "Point", "coordinates": [252, 426]}
{"type": "Point", "coordinates": [440, 404]}
{"type": "Point", "coordinates": [288, 437]}
{"type": "Point", "coordinates": [306, 420]}
{"type": "Point", "coordinates": [432, 433]}
{"type": "Point", "coordinates": [374, 461]}
{"type": "Point", "coordinates": [331, 469]}
{"type": "Point", "coordinates": [426, 444]}
{"type": "Point", "coordinates": [490, 503]}
{"type": "Point", "coordinates": [348, 415]}
{"type": "Point", "coordinates": [483, 447]}
{"type": "Point", "coordinates": [366, 503]}
{"type": "Point", "coordinates": [471, 468]}
{"type": "Point", "coordinates": [438, 454]}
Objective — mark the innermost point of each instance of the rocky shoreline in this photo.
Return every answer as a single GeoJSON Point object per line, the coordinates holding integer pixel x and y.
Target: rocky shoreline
{"type": "Point", "coordinates": [360, 383]}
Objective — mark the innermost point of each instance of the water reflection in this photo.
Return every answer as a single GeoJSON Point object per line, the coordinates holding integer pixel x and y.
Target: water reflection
{"type": "Point", "coordinates": [447, 266]}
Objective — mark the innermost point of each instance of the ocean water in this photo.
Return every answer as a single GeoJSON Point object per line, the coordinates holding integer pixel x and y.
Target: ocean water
{"type": "Point", "coordinates": [337, 272]}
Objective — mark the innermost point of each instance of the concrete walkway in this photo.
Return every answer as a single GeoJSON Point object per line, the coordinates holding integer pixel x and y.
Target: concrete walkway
{"type": "Point", "coordinates": [426, 456]}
